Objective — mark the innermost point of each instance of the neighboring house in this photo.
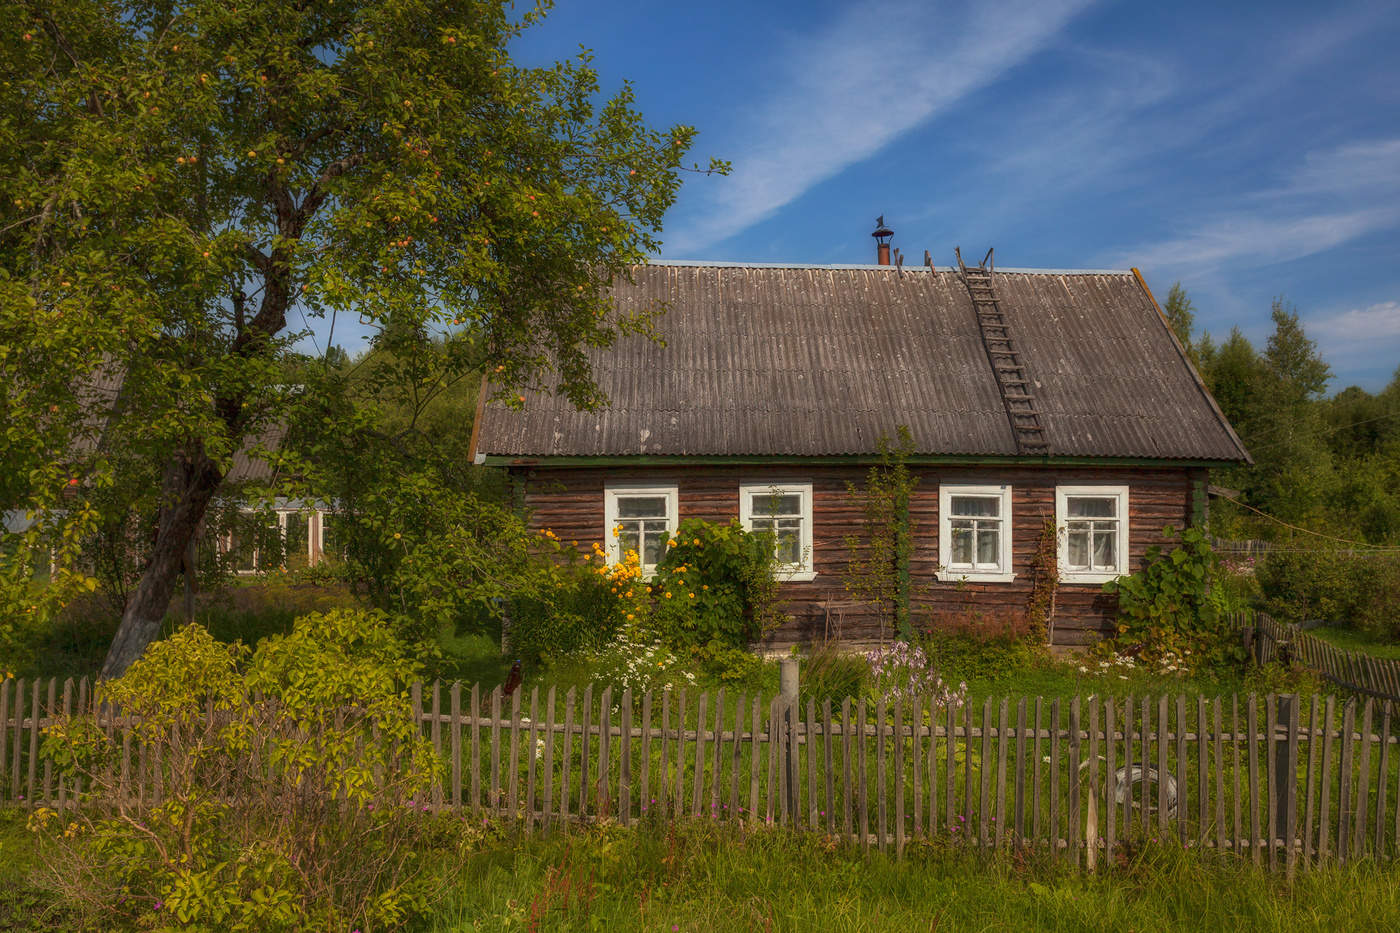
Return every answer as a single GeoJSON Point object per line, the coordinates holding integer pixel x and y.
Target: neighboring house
{"type": "Point", "coordinates": [1030, 395]}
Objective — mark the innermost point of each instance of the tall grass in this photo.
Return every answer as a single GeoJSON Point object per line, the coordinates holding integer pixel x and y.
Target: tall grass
{"type": "Point", "coordinates": [704, 878]}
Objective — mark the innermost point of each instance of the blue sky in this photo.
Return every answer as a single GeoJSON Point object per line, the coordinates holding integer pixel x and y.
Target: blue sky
{"type": "Point", "coordinates": [1249, 151]}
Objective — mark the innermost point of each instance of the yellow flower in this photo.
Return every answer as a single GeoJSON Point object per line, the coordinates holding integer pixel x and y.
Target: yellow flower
{"type": "Point", "coordinates": [705, 586]}
{"type": "Point", "coordinates": [692, 595]}
{"type": "Point", "coordinates": [630, 617]}
{"type": "Point", "coordinates": [696, 542]}
{"type": "Point", "coordinates": [668, 595]}
{"type": "Point", "coordinates": [397, 536]}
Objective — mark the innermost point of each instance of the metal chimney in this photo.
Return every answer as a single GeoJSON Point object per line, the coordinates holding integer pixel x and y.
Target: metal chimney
{"type": "Point", "coordinates": [882, 236]}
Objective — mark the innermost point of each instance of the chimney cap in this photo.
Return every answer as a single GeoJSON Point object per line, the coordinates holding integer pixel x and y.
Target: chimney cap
{"type": "Point", "coordinates": [881, 231]}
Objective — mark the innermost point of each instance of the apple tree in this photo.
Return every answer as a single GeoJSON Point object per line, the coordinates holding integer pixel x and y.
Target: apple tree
{"type": "Point", "coordinates": [186, 186]}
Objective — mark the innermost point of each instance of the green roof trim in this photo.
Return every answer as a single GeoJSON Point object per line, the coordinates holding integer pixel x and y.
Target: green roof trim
{"type": "Point", "coordinates": [841, 460]}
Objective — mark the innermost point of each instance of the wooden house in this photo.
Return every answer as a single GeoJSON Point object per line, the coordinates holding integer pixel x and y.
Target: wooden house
{"type": "Point", "coordinates": [1030, 396]}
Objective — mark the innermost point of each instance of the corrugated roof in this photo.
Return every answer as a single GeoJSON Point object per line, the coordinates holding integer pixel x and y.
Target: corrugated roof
{"type": "Point", "coordinates": [824, 361]}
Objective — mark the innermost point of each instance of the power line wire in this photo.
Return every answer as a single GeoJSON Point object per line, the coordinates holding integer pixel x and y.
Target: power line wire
{"type": "Point", "coordinates": [1306, 531]}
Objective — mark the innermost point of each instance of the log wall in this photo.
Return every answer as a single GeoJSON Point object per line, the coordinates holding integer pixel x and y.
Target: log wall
{"type": "Point", "coordinates": [570, 503]}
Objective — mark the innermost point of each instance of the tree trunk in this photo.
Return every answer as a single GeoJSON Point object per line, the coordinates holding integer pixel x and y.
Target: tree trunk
{"type": "Point", "coordinates": [189, 486]}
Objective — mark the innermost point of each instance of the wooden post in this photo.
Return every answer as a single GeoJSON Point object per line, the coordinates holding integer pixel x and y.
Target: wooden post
{"type": "Point", "coordinates": [788, 687]}
{"type": "Point", "coordinates": [1285, 780]}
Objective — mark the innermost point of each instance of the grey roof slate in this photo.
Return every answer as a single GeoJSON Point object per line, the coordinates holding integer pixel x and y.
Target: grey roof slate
{"type": "Point", "coordinates": [824, 361]}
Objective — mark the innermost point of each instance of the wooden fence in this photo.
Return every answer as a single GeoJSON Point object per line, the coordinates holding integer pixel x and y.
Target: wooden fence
{"type": "Point", "coordinates": [1272, 641]}
{"type": "Point", "coordinates": [1283, 780]}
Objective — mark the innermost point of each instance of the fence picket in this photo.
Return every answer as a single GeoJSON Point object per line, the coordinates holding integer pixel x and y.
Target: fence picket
{"type": "Point", "coordinates": [1183, 797]}
{"type": "Point", "coordinates": [1162, 772]}
{"type": "Point", "coordinates": [1202, 773]}
{"type": "Point", "coordinates": [663, 779]}
{"type": "Point", "coordinates": [1363, 782]}
{"type": "Point", "coordinates": [755, 757]}
{"type": "Point", "coordinates": [1325, 781]}
{"type": "Point", "coordinates": [35, 712]}
{"type": "Point", "coordinates": [984, 773]}
{"type": "Point", "coordinates": [1000, 818]}
{"type": "Point", "coordinates": [1382, 782]}
{"type": "Point", "coordinates": [646, 755]}
{"type": "Point", "coordinates": [881, 824]}
{"type": "Point", "coordinates": [678, 804]}
{"type": "Point", "coordinates": [916, 724]}
{"type": "Point", "coordinates": [735, 753]}
{"type": "Point", "coordinates": [1344, 802]}
{"type": "Point", "coordinates": [1072, 779]}
{"type": "Point", "coordinates": [1310, 790]}
{"type": "Point", "coordinates": [1020, 797]}
{"type": "Point", "coordinates": [897, 736]}
{"type": "Point", "coordinates": [716, 750]}
{"type": "Point", "coordinates": [698, 785]}
{"type": "Point", "coordinates": [67, 714]}
{"type": "Point", "coordinates": [5, 771]}
{"type": "Point", "coordinates": [811, 741]}
{"type": "Point", "coordinates": [846, 804]}
{"type": "Point", "coordinates": [950, 771]}
{"type": "Point", "coordinates": [565, 789]}
{"type": "Point", "coordinates": [624, 762]}
{"type": "Point", "coordinates": [1271, 775]}
{"type": "Point", "coordinates": [585, 743]}
{"type": "Point", "coordinates": [830, 771]}
{"type": "Point", "coordinates": [547, 809]}
{"type": "Point", "coordinates": [1035, 777]}
{"type": "Point", "coordinates": [862, 798]}
{"type": "Point", "coordinates": [1109, 745]}
{"type": "Point", "coordinates": [932, 766]}
{"type": "Point", "coordinates": [532, 744]}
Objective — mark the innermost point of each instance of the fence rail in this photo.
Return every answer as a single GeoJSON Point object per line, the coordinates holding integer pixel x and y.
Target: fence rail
{"type": "Point", "coordinates": [1272, 641]}
{"type": "Point", "coordinates": [1283, 780]}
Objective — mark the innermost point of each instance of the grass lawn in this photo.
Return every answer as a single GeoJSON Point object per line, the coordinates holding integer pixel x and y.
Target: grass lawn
{"type": "Point", "coordinates": [701, 879]}
{"type": "Point", "coordinates": [1352, 640]}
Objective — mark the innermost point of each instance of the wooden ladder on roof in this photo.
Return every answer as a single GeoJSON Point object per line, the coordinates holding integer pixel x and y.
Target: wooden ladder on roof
{"type": "Point", "coordinates": [1012, 379]}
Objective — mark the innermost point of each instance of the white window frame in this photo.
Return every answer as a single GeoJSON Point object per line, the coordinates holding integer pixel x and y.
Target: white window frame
{"type": "Point", "coordinates": [313, 539]}
{"type": "Point", "coordinates": [947, 572]}
{"type": "Point", "coordinates": [1062, 496]}
{"type": "Point", "coordinates": [803, 570]}
{"type": "Point", "coordinates": [610, 496]}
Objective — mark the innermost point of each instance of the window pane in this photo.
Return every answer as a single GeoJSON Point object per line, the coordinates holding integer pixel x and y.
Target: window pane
{"type": "Point", "coordinates": [764, 503]}
{"type": "Point", "coordinates": [989, 506]}
{"type": "Point", "coordinates": [629, 537]}
{"type": "Point", "coordinates": [962, 544]}
{"type": "Point", "coordinates": [1105, 549]}
{"type": "Point", "coordinates": [1095, 507]}
{"type": "Point", "coordinates": [1078, 546]}
{"type": "Point", "coordinates": [641, 507]}
{"type": "Point", "coordinates": [987, 544]}
{"type": "Point", "coordinates": [654, 548]}
{"type": "Point", "coordinates": [789, 547]}
{"type": "Point", "coordinates": [294, 541]}
{"type": "Point", "coordinates": [762, 524]}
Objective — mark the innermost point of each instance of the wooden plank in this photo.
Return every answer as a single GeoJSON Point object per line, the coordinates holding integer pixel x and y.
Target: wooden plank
{"type": "Point", "coordinates": [830, 771]}
{"type": "Point", "coordinates": [567, 755]}
{"type": "Point", "coordinates": [513, 778]}
{"type": "Point", "coordinates": [1218, 755]}
{"type": "Point", "coordinates": [624, 762]}
{"type": "Point", "coordinates": [1110, 743]}
{"type": "Point", "coordinates": [846, 799]}
{"type": "Point", "coordinates": [1129, 753]}
{"type": "Point", "coordinates": [1252, 713]}
{"type": "Point", "coordinates": [1163, 728]}
{"type": "Point", "coordinates": [1310, 801]}
{"type": "Point", "coordinates": [716, 750]}
{"type": "Point", "coordinates": [678, 806]}
{"type": "Point", "coordinates": [646, 801]}
{"type": "Point", "coordinates": [1291, 817]}
{"type": "Point", "coordinates": [880, 776]}
{"type": "Point", "coordinates": [602, 789]}
{"type": "Point", "coordinates": [916, 788]}
{"type": "Point", "coordinates": [985, 773]}
{"type": "Point", "coordinates": [755, 759]}
{"type": "Point", "coordinates": [862, 797]}
{"type": "Point", "coordinates": [932, 767]}
{"type": "Point", "coordinates": [1035, 777]}
{"type": "Point", "coordinates": [1091, 831]}
{"type": "Point", "coordinates": [497, 798]}
{"type": "Point", "coordinates": [1072, 831]}
{"type": "Point", "coordinates": [811, 741]}
{"type": "Point", "coordinates": [1202, 772]}
{"type": "Point", "coordinates": [774, 738]}
{"type": "Point", "coordinates": [1003, 740]}
{"type": "Point", "coordinates": [736, 758]}
{"type": "Point", "coordinates": [476, 747]}
{"type": "Point", "coordinates": [5, 690]}
{"type": "Point", "coordinates": [1054, 825]}
{"type": "Point", "coordinates": [897, 739]}
{"type": "Point", "coordinates": [454, 708]}
{"type": "Point", "coordinates": [1235, 738]}
{"type": "Point", "coordinates": [950, 777]}
{"type": "Point", "coordinates": [1344, 807]}
{"type": "Point", "coordinates": [547, 807]}
{"type": "Point", "coordinates": [664, 779]}
{"type": "Point", "coordinates": [585, 760]}
{"type": "Point", "coordinates": [1363, 782]}
{"type": "Point", "coordinates": [1324, 815]}
{"type": "Point", "coordinates": [67, 717]}
{"type": "Point", "coordinates": [1145, 760]}
{"type": "Point", "coordinates": [1020, 798]}
{"type": "Point", "coordinates": [698, 785]}
{"type": "Point", "coordinates": [435, 731]}
{"type": "Point", "coordinates": [1382, 782]}
{"type": "Point", "coordinates": [1271, 776]}
{"type": "Point", "coordinates": [36, 711]}
{"type": "Point", "coordinates": [533, 754]}
{"type": "Point", "coordinates": [1182, 795]}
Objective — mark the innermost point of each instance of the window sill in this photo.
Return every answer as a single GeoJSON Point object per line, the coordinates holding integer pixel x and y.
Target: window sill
{"type": "Point", "coordinates": [974, 576]}
{"type": "Point", "coordinates": [795, 576]}
{"type": "Point", "coordinates": [1090, 578]}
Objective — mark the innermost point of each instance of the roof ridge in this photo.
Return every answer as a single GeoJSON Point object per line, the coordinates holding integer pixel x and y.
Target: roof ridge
{"type": "Point", "coordinates": [873, 267]}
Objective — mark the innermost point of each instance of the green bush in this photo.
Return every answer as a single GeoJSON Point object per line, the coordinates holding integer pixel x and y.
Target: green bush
{"type": "Point", "coordinates": [1344, 588]}
{"type": "Point", "coordinates": [1166, 608]}
{"type": "Point", "coordinates": [577, 604]}
{"type": "Point", "coordinates": [292, 780]}
{"type": "Point", "coordinates": [833, 673]}
{"type": "Point", "coordinates": [715, 588]}
{"type": "Point", "coordinates": [980, 644]}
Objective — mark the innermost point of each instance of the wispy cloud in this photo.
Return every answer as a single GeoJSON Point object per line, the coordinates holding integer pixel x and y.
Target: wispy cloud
{"type": "Point", "coordinates": [1359, 332]}
{"type": "Point", "coordinates": [829, 110]}
{"type": "Point", "coordinates": [1333, 197]}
